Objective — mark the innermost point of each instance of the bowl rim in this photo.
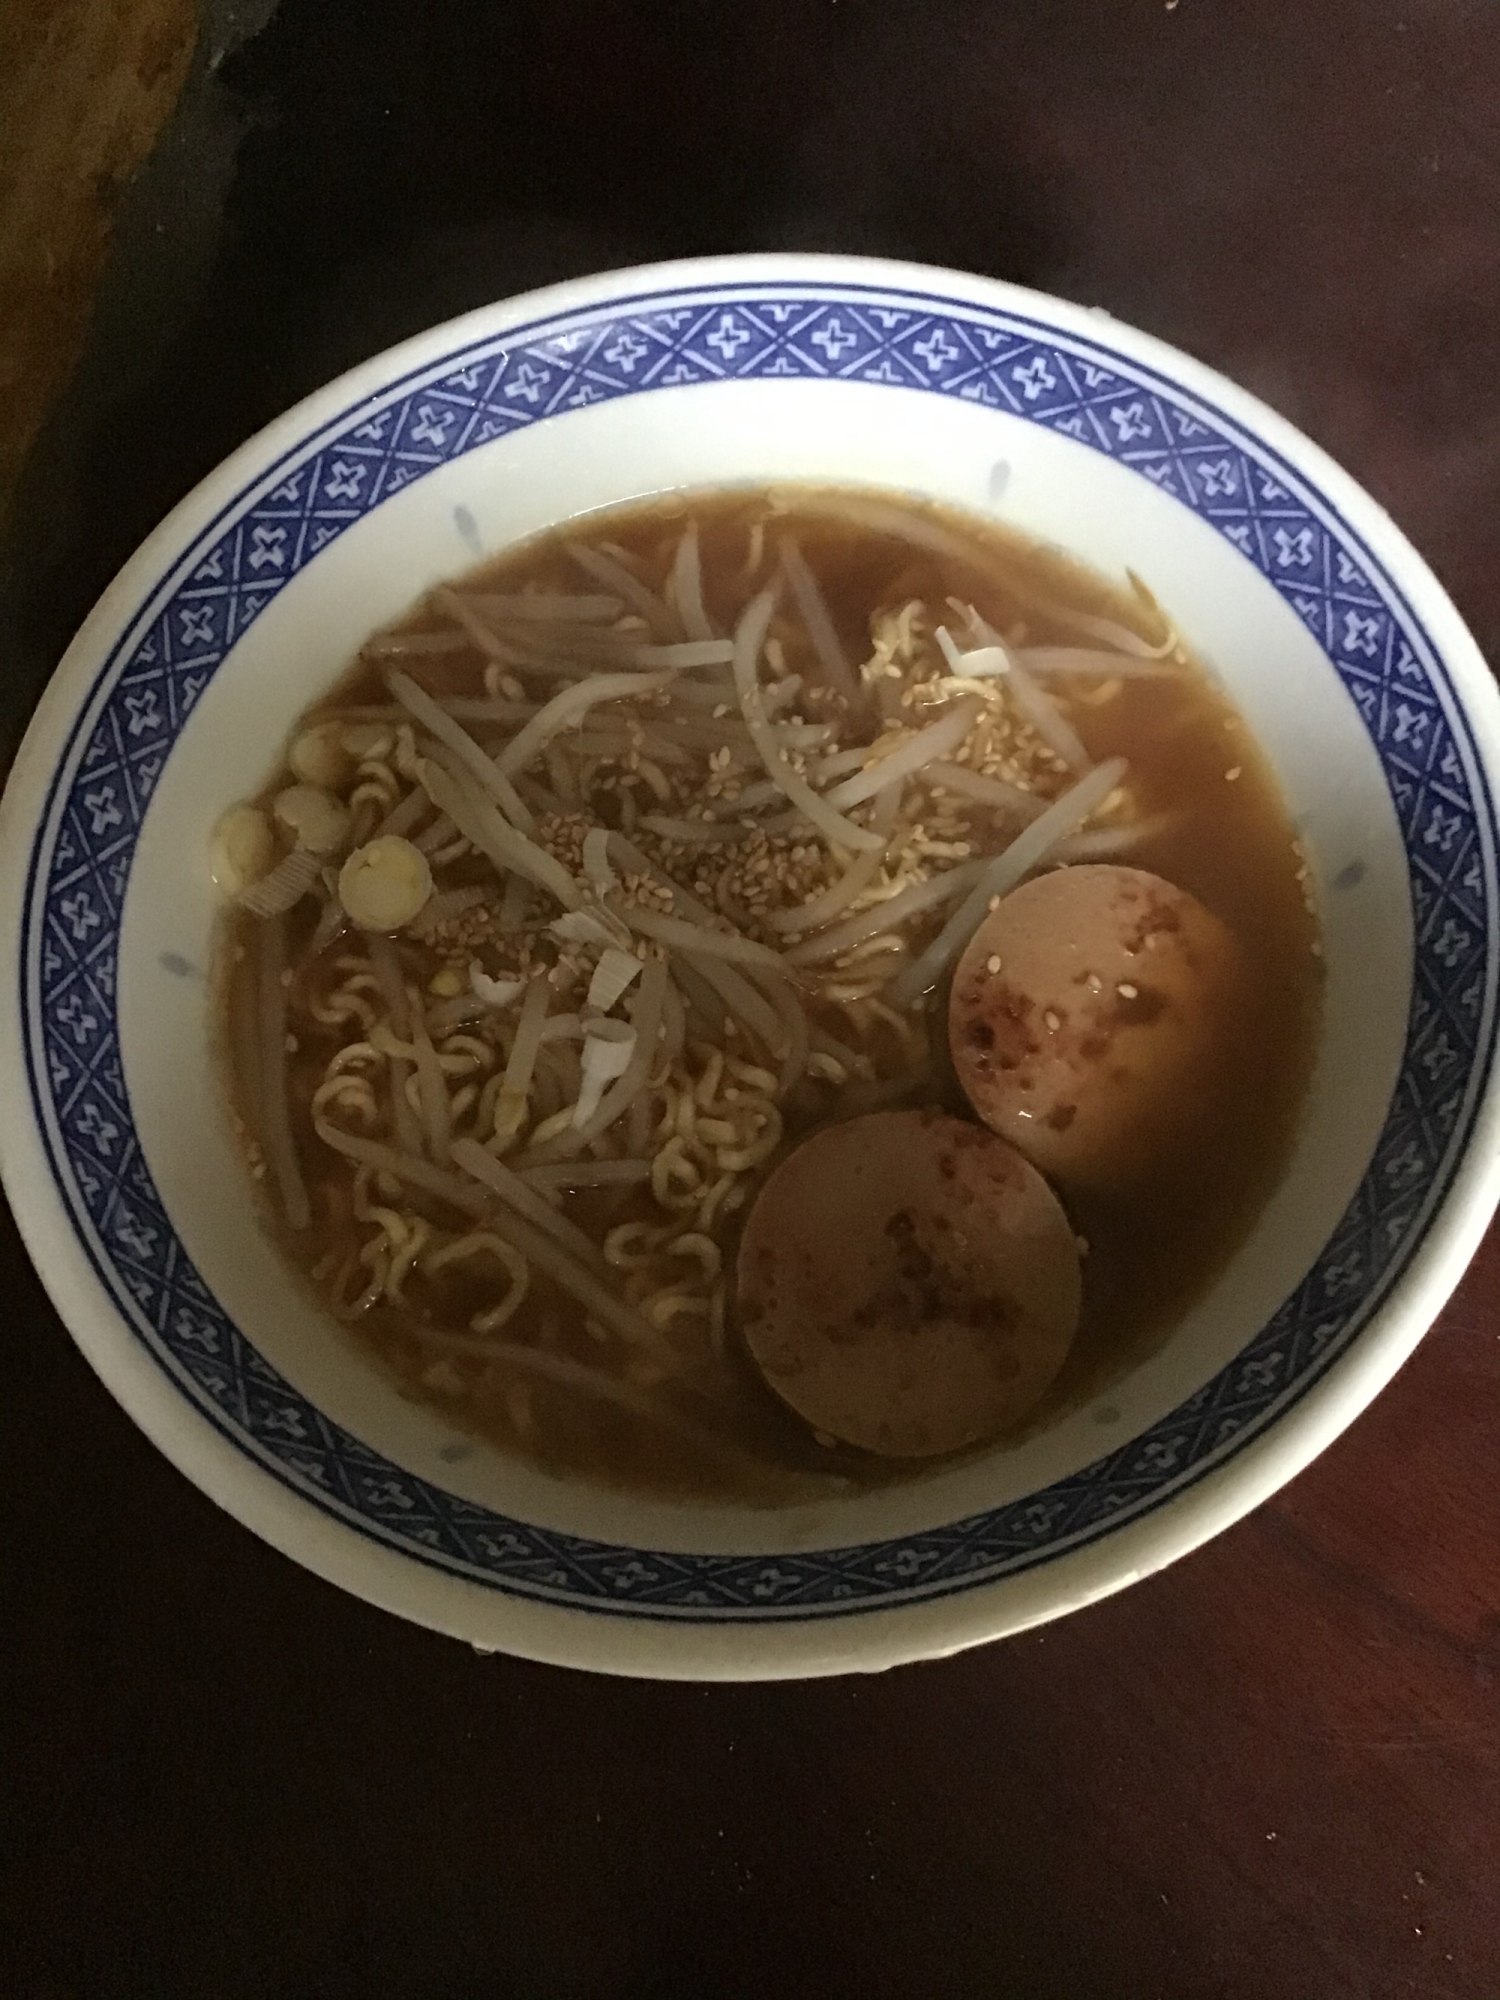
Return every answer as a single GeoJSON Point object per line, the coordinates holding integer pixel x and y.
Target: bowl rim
{"type": "Point", "coordinates": [832, 1637]}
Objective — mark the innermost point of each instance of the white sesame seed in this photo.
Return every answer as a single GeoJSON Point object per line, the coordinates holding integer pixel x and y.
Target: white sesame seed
{"type": "Point", "coordinates": [1232, 773]}
{"type": "Point", "coordinates": [992, 964]}
{"type": "Point", "coordinates": [1128, 992]}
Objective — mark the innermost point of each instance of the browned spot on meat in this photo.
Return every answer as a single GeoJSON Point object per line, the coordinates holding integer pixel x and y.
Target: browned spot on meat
{"type": "Point", "coordinates": [1009, 1012]}
{"type": "Point", "coordinates": [925, 1290]}
{"type": "Point", "coordinates": [981, 1034]}
{"type": "Point", "coordinates": [1061, 1116]}
{"type": "Point", "coordinates": [1157, 918]}
{"type": "Point", "coordinates": [1092, 1047]}
{"type": "Point", "coordinates": [1002, 1170]}
{"type": "Point", "coordinates": [860, 1321]}
{"type": "Point", "coordinates": [990, 1314]}
{"type": "Point", "coordinates": [972, 1138]}
{"type": "Point", "coordinates": [1139, 1009]}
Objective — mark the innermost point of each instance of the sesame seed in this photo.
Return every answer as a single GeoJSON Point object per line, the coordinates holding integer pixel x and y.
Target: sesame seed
{"type": "Point", "coordinates": [1053, 1021]}
{"type": "Point", "coordinates": [1232, 773]}
{"type": "Point", "coordinates": [994, 903]}
{"type": "Point", "coordinates": [1128, 992]}
{"type": "Point", "coordinates": [992, 964]}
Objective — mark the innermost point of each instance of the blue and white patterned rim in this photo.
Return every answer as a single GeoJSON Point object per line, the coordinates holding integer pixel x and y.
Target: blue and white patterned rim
{"type": "Point", "coordinates": [838, 331]}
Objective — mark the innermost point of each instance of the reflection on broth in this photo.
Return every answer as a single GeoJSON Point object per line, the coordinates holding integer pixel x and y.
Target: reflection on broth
{"type": "Point", "coordinates": [633, 859]}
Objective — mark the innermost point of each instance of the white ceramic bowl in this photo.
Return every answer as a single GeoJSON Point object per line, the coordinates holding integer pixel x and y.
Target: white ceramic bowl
{"type": "Point", "coordinates": [1336, 643]}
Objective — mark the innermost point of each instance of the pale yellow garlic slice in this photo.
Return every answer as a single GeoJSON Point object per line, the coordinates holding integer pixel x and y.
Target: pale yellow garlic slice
{"type": "Point", "coordinates": [318, 756]}
{"type": "Point", "coordinates": [241, 849]}
{"type": "Point", "coordinates": [385, 883]}
{"type": "Point", "coordinates": [315, 819]}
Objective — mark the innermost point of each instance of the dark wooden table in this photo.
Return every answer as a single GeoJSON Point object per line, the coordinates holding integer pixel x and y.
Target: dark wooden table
{"type": "Point", "coordinates": [1270, 1774]}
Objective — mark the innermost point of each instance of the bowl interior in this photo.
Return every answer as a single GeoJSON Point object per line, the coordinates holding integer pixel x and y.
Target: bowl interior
{"type": "Point", "coordinates": [1048, 484]}
{"type": "Point", "coordinates": [250, 604]}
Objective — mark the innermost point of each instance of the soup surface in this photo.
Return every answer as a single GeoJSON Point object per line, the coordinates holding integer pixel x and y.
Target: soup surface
{"type": "Point", "coordinates": [643, 853]}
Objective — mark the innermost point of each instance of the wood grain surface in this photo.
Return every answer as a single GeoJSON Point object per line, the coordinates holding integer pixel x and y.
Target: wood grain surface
{"type": "Point", "coordinates": [85, 87]}
{"type": "Point", "coordinates": [1271, 1773]}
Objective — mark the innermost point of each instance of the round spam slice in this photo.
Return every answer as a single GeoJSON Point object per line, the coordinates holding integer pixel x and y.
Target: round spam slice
{"type": "Point", "coordinates": [1091, 1020]}
{"type": "Point", "coordinates": [907, 1283]}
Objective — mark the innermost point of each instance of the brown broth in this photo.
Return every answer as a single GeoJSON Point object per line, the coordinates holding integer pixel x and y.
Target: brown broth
{"type": "Point", "coordinates": [1228, 841]}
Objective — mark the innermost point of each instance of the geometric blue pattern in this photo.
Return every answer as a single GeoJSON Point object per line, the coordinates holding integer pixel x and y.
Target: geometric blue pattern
{"type": "Point", "coordinates": [833, 331]}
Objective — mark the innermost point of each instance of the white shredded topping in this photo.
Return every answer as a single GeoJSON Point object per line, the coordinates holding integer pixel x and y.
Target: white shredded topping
{"type": "Point", "coordinates": [604, 1058]}
{"type": "Point", "coordinates": [612, 975]}
{"type": "Point", "coordinates": [493, 992]}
